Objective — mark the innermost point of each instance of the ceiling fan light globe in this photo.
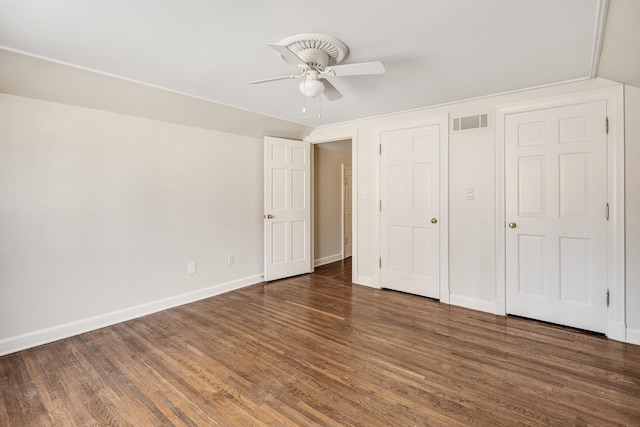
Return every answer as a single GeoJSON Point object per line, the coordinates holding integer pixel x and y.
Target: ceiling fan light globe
{"type": "Point", "coordinates": [311, 88]}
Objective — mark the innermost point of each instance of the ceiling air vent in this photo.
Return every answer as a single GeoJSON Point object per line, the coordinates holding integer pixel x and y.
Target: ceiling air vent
{"type": "Point", "coordinates": [471, 122]}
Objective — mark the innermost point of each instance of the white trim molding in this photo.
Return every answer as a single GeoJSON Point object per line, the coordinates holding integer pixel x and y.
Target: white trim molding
{"type": "Point", "coordinates": [367, 281]}
{"type": "Point", "coordinates": [633, 336]}
{"type": "Point", "coordinates": [473, 303]}
{"type": "Point", "coordinates": [327, 260]}
{"type": "Point", "coordinates": [596, 50]}
{"type": "Point", "coordinates": [614, 98]}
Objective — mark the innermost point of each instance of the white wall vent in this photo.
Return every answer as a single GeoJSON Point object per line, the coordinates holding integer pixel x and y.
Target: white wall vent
{"type": "Point", "coordinates": [471, 122]}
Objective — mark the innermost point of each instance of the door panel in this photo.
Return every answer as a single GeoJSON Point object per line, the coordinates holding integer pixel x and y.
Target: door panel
{"type": "Point", "coordinates": [574, 184]}
{"type": "Point", "coordinates": [298, 240]}
{"type": "Point", "coordinates": [531, 186]}
{"type": "Point", "coordinates": [421, 243]}
{"type": "Point", "coordinates": [556, 193]}
{"type": "Point", "coordinates": [530, 265]}
{"type": "Point", "coordinates": [410, 197]}
{"type": "Point", "coordinates": [574, 270]}
{"type": "Point", "coordinates": [287, 208]}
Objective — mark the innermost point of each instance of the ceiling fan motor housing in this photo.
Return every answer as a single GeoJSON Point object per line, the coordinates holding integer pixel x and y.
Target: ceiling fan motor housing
{"type": "Point", "coordinates": [317, 50]}
{"type": "Point", "coordinates": [315, 58]}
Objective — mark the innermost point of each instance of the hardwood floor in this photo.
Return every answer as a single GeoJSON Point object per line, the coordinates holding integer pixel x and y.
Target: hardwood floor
{"type": "Point", "coordinates": [317, 350]}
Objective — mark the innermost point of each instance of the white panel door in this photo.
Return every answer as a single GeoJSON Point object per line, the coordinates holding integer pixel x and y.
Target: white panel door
{"type": "Point", "coordinates": [287, 207]}
{"type": "Point", "coordinates": [556, 197]}
{"type": "Point", "coordinates": [347, 210]}
{"type": "Point", "coordinates": [410, 206]}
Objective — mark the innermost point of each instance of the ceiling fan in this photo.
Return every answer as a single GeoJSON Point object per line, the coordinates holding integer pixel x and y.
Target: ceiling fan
{"type": "Point", "coordinates": [317, 56]}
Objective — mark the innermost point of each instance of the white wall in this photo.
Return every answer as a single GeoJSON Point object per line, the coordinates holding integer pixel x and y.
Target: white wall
{"type": "Point", "coordinates": [328, 204]}
{"type": "Point", "coordinates": [471, 165]}
{"type": "Point", "coordinates": [620, 56]}
{"type": "Point", "coordinates": [100, 214]}
{"type": "Point", "coordinates": [632, 210]}
{"type": "Point", "coordinates": [32, 77]}
{"type": "Point", "coordinates": [472, 222]}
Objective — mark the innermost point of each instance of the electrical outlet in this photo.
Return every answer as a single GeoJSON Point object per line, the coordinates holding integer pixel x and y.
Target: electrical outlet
{"type": "Point", "coordinates": [191, 268]}
{"type": "Point", "coordinates": [230, 260]}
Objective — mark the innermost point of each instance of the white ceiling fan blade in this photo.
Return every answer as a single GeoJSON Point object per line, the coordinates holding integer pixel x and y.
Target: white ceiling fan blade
{"type": "Point", "coordinates": [287, 54]}
{"type": "Point", "coordinates": [330, 90]}
{"type": "Point", "coordinates": [356, 69]}
{"type": "Point", "coordinates": [273, 79]}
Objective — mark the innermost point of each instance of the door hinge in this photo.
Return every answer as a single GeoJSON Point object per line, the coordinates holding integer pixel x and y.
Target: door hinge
{"type": "Point", "coordinates": [380, 206]}
{"type": "Point", "coordinates": [345, 181]}
{"type": "Point", "coordinates": [380, 145]}
{"type": "Point", "coordinates": [608, 297]}
{"type": "Point", "coordinates": [607, 211]}
{"type": "Point", "coordinates": [606, 125]}
{"type": "Point", "coordinates": [380, 262]}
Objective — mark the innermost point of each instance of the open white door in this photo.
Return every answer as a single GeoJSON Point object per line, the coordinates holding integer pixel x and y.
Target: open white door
{"type": "Point", "coordinates": [287, 208]}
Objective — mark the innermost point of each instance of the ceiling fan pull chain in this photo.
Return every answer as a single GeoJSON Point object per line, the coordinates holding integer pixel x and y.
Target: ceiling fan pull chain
{"type": "Point", "coordinates": [319, 107]}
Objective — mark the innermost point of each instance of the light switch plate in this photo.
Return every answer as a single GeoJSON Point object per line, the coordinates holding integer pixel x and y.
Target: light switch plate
{"type": "Point", "coordinates": [470, 193]}
{"type": "Point", "coordinates": [191, 268]}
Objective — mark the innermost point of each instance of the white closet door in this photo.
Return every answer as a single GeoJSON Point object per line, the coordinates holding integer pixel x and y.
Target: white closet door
{"type": "Point", "coordinates": [410, 229]}
{"type": "Point", "coordinates": [556, 198]}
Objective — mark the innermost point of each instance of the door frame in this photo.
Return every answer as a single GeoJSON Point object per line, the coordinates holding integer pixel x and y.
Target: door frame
{"type": "Point", "coordinates": [351, 134]}
{"type": "Point", "coordinates": [443, 121]}
{"type": "Point", "coordinates": [613, 96]}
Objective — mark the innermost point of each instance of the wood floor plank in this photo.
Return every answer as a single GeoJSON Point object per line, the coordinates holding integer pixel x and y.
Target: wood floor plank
{"type": "Point", "coordinates": [318, 350]}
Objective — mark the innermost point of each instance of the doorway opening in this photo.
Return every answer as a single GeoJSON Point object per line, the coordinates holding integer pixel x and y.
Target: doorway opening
{"type": "Point", "coordinates": [332, 201]}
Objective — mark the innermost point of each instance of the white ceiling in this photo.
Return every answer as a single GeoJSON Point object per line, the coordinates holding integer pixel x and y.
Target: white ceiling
{"type": "Point", "coordinates": [435, 51]}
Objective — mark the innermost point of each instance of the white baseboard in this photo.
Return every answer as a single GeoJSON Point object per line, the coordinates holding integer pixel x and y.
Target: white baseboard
{"type": "Point", "coordinates": [55, 333]}
{"type": "Point", "coordinates": [633, 336]}
{"type": "Point", "coordinates": [366, 281]}
{"type": "Point", "coordinates": [445, 296]}
{"type": "Point", "coordinates": [616, 331]}
{"type": "Point", "coordinates": [473, 303]}
{"type": "Point", "coordinates": [327, 260]}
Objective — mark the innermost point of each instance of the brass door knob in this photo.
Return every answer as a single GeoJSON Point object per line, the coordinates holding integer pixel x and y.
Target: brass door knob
{"type": "Point", "coordinates": [268, 216]}
{"type": "Point", "coordinates": [512, 225]}
{"type": "Point", "coordinates": [434, 221]}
